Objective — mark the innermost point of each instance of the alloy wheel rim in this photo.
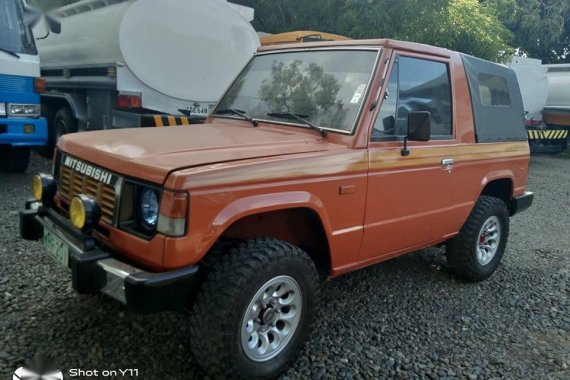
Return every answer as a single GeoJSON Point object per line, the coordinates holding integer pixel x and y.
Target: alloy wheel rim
{"type": "Point", "coordinates": [271, 318]}
{"type": "Point", "coordinates": [488, 240]}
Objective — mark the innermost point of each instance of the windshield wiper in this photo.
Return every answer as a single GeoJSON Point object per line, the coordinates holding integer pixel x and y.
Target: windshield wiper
{"type": "Point", "coordinates": [235, 111]}
{"type": "Point", "coordinates": [10, 52]}
{"type": "Point", "coordinates": [298, 117]}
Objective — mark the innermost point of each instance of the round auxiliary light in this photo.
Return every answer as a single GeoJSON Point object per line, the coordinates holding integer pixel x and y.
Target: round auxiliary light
{"type": "Point", "coordinates": [44, 187]}
{"type": "Point", "coordinates": [148, 208]}
{"type": "Point", "coordinates": [84, 212]}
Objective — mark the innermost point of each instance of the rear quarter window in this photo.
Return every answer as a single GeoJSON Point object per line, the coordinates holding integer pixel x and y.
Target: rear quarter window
{"type": "Point", "coordinates": [493, 91]}
{"type": "Point", "coordinates": [496, 101]}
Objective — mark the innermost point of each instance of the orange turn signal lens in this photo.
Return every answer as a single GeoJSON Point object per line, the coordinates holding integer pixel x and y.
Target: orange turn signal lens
{"type": "Point", "coordinates": [40, 85]}
{"type": "Point", "coordinates": [173, 213]}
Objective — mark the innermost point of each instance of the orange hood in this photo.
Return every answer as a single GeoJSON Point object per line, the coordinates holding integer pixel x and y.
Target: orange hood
{"type": "Point", "coordinates": [152, 153]}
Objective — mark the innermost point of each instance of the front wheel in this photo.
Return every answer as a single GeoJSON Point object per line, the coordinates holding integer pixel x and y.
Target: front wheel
{"type": "Point", "coordinates": [475, 253]}
{"type": "Point", "coordinates": [63, 123]}
{"type": "Point", "coordinates": [254, 310]}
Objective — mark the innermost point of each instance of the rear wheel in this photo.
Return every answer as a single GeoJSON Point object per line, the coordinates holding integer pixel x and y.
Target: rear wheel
{"type": "Point", "coordinates": [254, 310]}
{"type": "Point", "coordinates": [14, 159]}
{"type": "Point", "coordinates": [475, 253]}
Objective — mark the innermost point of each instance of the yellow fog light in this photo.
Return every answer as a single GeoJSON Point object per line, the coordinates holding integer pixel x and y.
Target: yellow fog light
{"type": "Point", "coordinates": [44, 187]}
{"type": "Point", "coordinates": [84, 212]}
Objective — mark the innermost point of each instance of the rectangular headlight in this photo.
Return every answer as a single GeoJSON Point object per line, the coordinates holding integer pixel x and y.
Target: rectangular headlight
{"type": "Point", "coordinates": [2, 109]}
{"type": "Point", "coordinates": [32, 110]}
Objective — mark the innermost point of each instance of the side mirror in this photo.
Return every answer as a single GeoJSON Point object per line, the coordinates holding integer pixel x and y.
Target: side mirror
{"type": "Point", "coordinates": [54, 25]}
{"type": "Point", "coordinates": [32, 17]}
{"type": "Point", "coordinates": [419, 129]}
{"type": "Point", "coordinates": [419, 126]}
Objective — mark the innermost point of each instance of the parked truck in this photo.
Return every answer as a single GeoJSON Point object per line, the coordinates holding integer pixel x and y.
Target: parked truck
{"type": "Point", "coordinates": [320, 159]}
{"type": "Point", "coordinates": [556, 113]}
{"type": "Point", "coordinates": [21, 126]}
{"type": "Point", "coordinates": [140, 63]}
{"type": "Point", "coordinates": [546, 97]}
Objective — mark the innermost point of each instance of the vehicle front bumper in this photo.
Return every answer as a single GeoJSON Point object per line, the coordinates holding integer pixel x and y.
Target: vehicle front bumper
{"type": "Point", "coordinates": [12, 131]}
{"type": "Point", "coordinates": [94, 269]}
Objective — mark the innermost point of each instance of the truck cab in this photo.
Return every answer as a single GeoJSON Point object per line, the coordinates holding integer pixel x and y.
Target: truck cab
{"type": "Point", "coordinates": [21, 126]}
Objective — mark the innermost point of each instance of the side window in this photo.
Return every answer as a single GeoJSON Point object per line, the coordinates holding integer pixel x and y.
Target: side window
{"type": "Point", "coordinates": [493, 91]}
{"type": "Point", "coordinates": [385, 125]}
{"type": "Point", "coordinates": [420, 85]}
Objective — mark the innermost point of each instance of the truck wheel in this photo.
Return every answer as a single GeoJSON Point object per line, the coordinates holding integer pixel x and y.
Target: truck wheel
{"type": "Point", "coordinates": [254, 310]}
{"type": "Point", "coordinates": [475, 253]}
{"type": "Point", "coordinates": [63, 123]}
{"type": "Point", "coordinates": [48, 114]}
{"type": "Point", "coordinates": [14, 159]}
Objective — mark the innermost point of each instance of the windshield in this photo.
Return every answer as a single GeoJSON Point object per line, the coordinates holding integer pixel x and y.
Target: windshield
{"type": "Point", "coordinates": [15, 35]}
{"type": "Point", "coordinates": [324, 87]}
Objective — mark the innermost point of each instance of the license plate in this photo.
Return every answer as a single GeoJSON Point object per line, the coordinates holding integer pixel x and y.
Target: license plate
{"type": "Point", "coordinates": [198, 110]}
{"type": "Point", "coordinates": [56, 247]}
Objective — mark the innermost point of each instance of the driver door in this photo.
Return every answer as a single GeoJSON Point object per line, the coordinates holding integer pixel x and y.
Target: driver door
{"type": "Point", "coordinates": [410, 198]}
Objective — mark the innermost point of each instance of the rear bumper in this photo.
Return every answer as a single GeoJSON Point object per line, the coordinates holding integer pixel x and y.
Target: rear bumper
{"type": "Point", "coordinates": [521, 203]}
{"type": "Point", "coordinates": [94, 269]}
{"type": "Point", "coordinates": [12, 132]}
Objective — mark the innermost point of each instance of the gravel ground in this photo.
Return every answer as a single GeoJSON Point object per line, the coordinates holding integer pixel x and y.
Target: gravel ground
{"type": "Point", "coordinates": [407, 318]}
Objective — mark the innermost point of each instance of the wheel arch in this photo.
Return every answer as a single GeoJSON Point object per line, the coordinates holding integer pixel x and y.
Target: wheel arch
{"type": "Point", "coordinates": [501, 187]}
{"type": "Point", "coordinates": [297, 218]}
{"type": "Point", "coordinates": [75, 102]}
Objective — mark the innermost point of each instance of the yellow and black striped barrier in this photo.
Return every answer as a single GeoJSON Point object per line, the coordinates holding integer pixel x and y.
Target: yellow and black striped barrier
{"type": "Point", "coordinates": [547, 134]}
{"type": "Point", "coordinates": [169, 120]}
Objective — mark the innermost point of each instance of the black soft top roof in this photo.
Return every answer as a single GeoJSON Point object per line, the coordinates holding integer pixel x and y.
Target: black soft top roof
{"type": "Point", "coordinates": [495, 119]}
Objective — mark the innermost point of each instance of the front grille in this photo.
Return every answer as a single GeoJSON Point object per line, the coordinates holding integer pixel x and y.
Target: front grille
{"type": "Point", "coordinates": [72, 182]}
{"type": "Point", "coordinates": [14, 83]}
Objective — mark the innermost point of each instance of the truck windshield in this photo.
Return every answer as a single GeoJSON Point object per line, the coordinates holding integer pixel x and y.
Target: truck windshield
{"type": "Point", "coordinates": [15, 35]}
{"type": "Point", "coordinates": [326, 88]}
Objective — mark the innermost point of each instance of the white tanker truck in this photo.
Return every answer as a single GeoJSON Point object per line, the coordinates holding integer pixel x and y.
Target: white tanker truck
{"type": "Point", "coordinates": [138, 63]}
{"type": "Point", "coordinates": [546, 98]}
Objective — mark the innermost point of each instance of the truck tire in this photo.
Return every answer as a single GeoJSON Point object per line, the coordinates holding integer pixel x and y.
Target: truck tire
{"type": "Point", "coordinates": [48, 113]}
{"type": "Point", "coordinates": [14, 159]}
{"type": "Point", "coordinates": [254, 310]}
{"type": "Point", "coordinates": [476, 251]}
{"type": "Point", "coordinates": [63, 123]}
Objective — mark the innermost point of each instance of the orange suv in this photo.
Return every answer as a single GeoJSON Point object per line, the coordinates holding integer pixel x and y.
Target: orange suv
{"type": "Point", "coordinates": [321, 158]}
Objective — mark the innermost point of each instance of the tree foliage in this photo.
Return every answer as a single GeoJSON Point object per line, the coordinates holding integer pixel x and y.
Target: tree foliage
{"type": "Point", "coordinates": [464, 25]}
{"type": "Point", "coordinates": [541, 28]}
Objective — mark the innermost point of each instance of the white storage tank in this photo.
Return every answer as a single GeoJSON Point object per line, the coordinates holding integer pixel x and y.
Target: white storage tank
{"type": "Point", "coordinates": [174, 52]}
{"type": "Point", "coordinates": [533, 83]}
{"type": "Point", "coordinates": [559, 86]}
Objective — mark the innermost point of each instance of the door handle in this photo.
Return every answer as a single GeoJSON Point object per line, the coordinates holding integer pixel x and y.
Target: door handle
{"type": "Point", "coordinates": [447, 163]}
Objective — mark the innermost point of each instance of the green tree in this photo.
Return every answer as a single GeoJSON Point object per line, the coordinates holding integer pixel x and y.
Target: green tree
{"type": "Point", "coordinates": [540, 28]}
{"type": "Point", "coordinates": [465, 25]}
